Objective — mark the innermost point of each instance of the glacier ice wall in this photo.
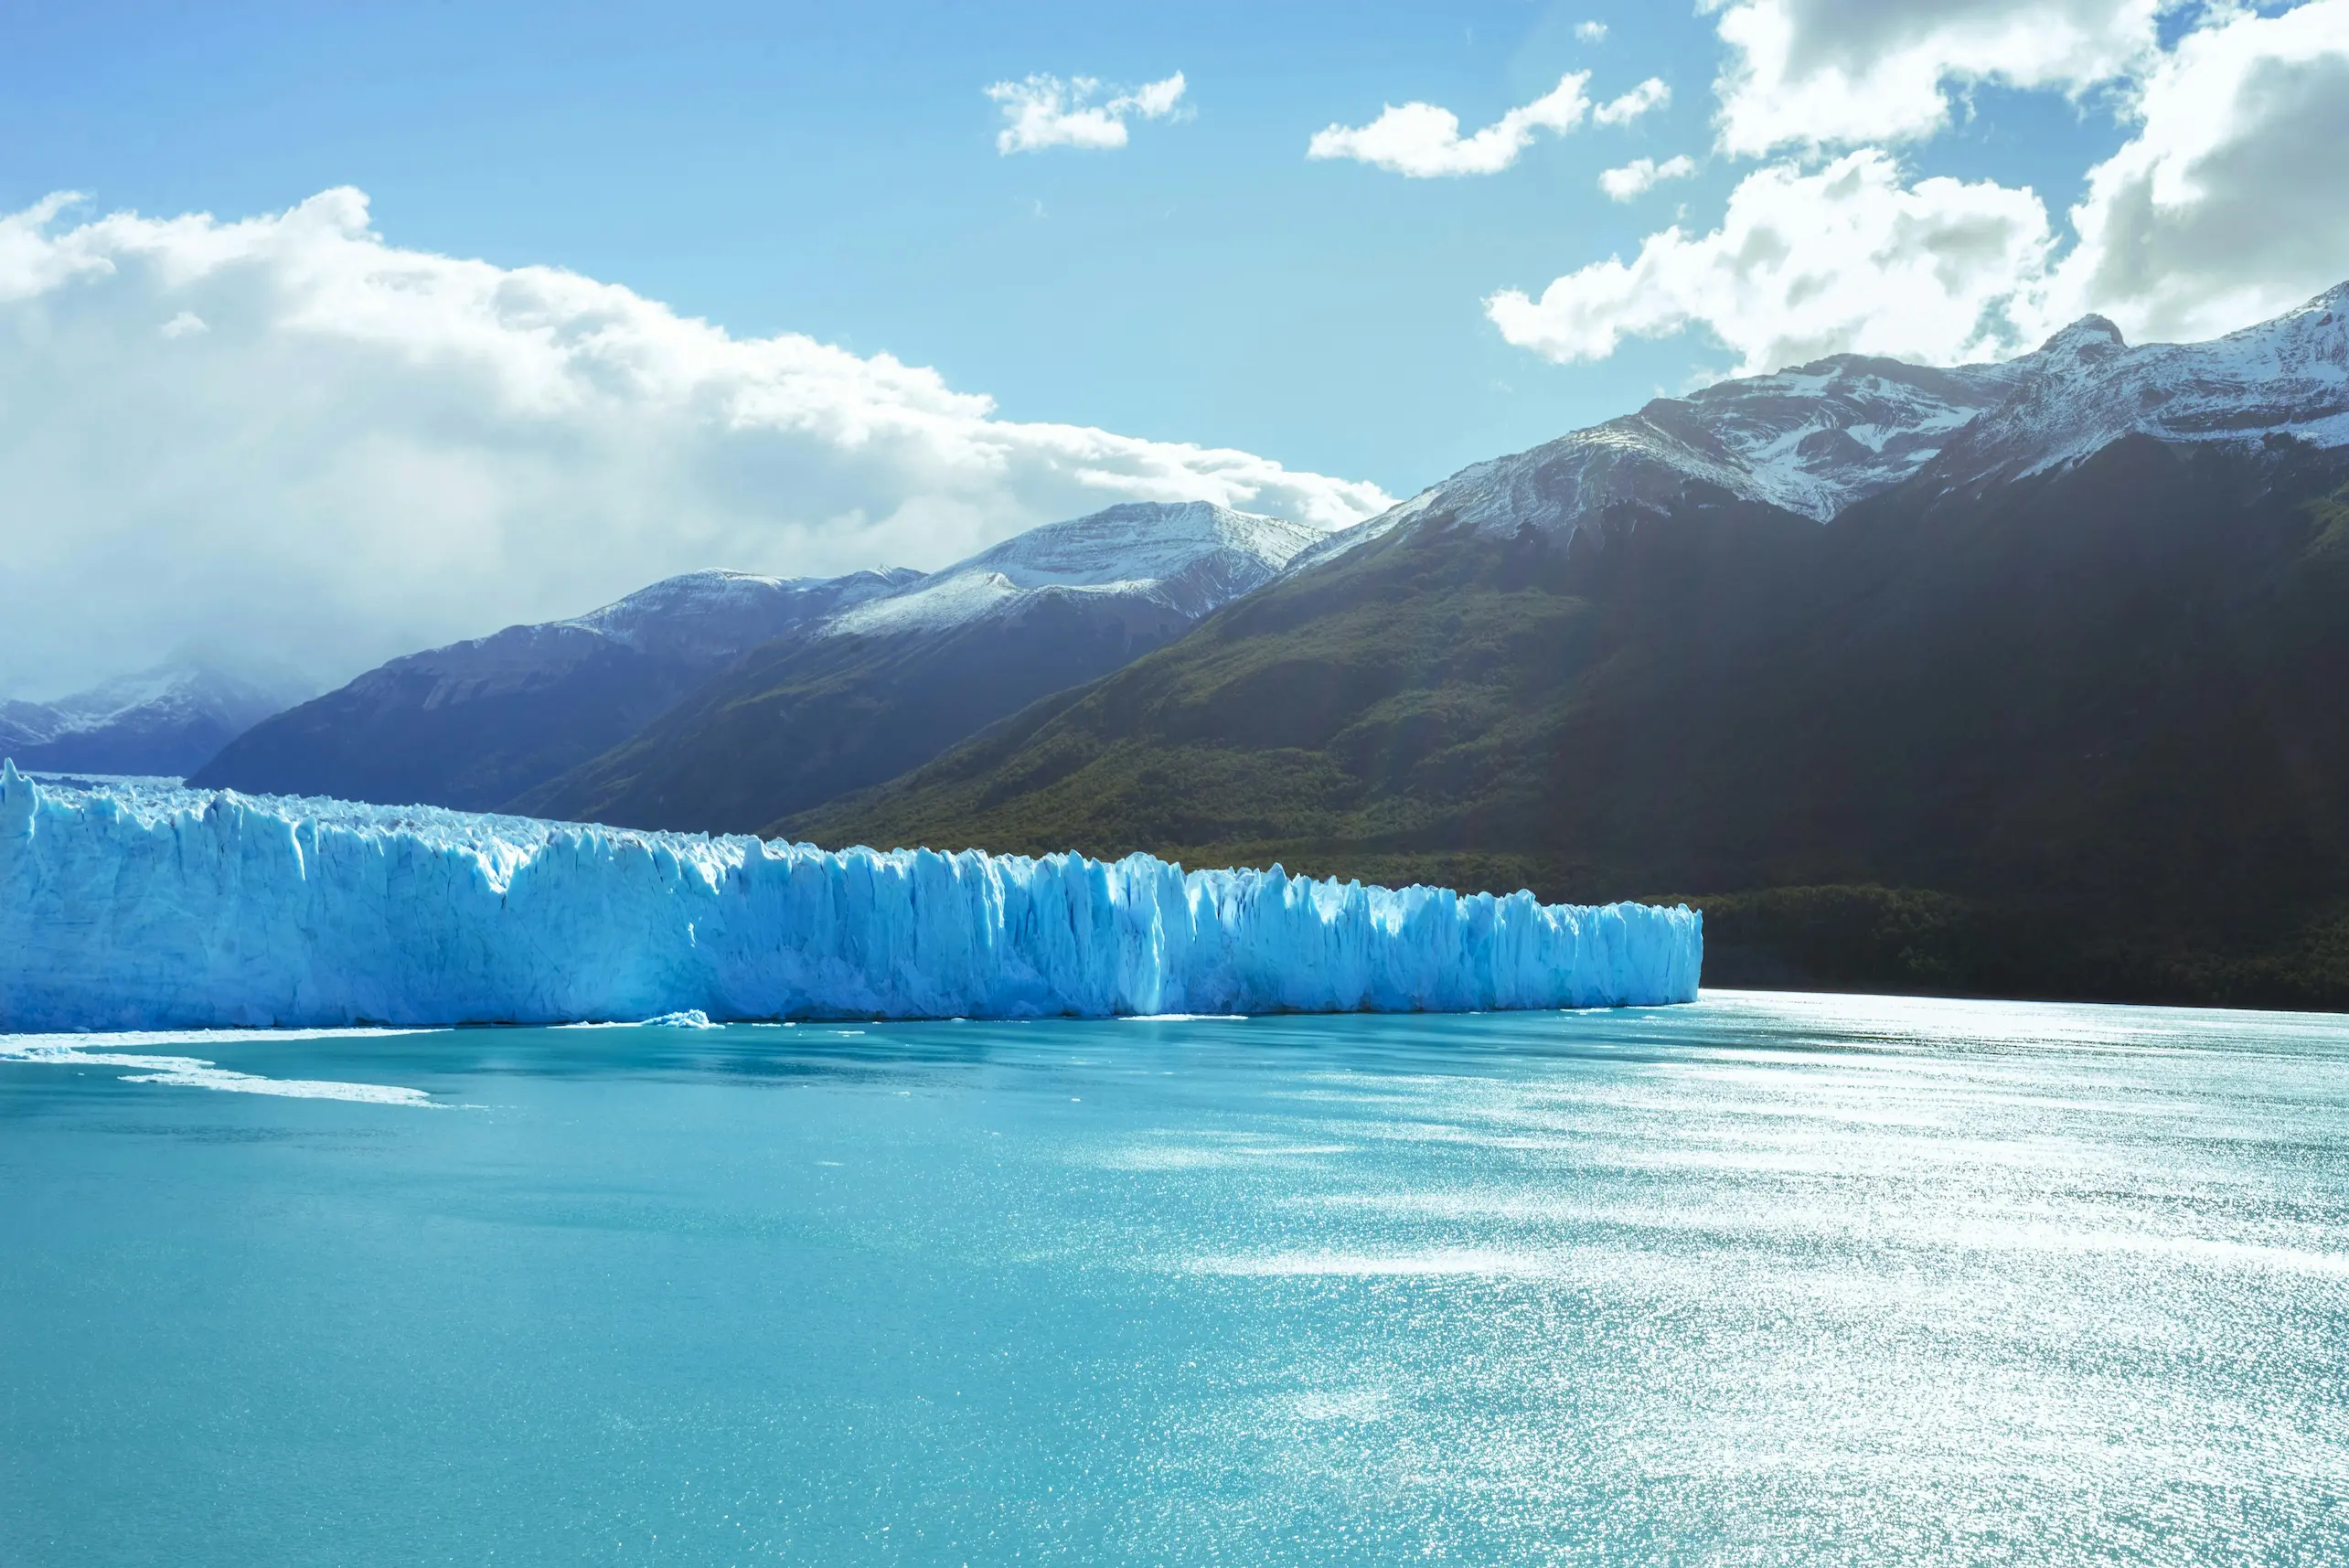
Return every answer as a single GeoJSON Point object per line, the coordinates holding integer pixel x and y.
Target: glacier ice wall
{"type": "Point", "coordinates": [135, 907]}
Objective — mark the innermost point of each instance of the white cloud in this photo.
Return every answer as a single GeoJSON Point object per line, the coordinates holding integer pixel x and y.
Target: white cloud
{"type": "Point", "coordinates": [2228, 203]}
{"type": "Point", "coordinates": [1820, 72]}
{"type": "Point", "coordinates": [1591, 32]}
{"type": "Point", "coordinates": [1641, 175]}
{"type": "Point", "coordinates": [1649, 94]}
{"type": "Point", "coordinates": [2231, 203]}
{"type": "Point", "coordinates": [1424, 142]}
{"type": "Point", "coordinates": [1812, 261]}
{"type": "Point", "coordinates": [1045, 111]}
{"type": "Point", "coordinates": [1153, 100]}
{"type": "Point", "coordinates": [374, 449]}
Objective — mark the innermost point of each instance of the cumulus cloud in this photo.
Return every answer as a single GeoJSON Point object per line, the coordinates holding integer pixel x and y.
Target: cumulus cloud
{"type": "Point", "coordinates": [1641, 175]}
{"type": "Point", "coordinates": [1850, 256]}
{"type": "Point", "coordinates": [1043, 111]}
{"type": "Point", "coordinates": [371, 449]}
{"type": "Point", "coordinates": [2231, 202]}
{"type": "Point", "coordinates": [1591, 32]}
{"type": "Point", "coordinates": [1649, 94]}
{"type": "Point", "coordinates": [1424, 141]}
{"type": "Point", "coordinates": [2228, 203]}
{"type": "Point", "coordinates": [1821, 72]}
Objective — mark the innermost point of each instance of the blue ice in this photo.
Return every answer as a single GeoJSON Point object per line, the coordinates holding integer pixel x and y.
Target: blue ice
{"type": "Point", "coordinates": [130, 905]}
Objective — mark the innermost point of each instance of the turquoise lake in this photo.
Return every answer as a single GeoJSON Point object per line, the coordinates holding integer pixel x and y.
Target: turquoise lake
{"type": "Point", "coordinates": [1766, 1279]}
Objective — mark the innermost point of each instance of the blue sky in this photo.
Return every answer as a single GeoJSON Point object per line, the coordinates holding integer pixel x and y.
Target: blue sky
{"type": "Point", "coordinates": [832, 170]}
{"type": "Point", "coordinates": [429, 365]}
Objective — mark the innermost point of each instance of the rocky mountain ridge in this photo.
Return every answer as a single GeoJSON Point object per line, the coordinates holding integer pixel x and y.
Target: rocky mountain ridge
{"type": "Point", "coordinates": [1816, 439]}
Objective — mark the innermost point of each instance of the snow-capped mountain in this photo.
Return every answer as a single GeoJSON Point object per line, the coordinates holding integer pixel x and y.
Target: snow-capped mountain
{"type": "Point", "coordinates": [886, 684]}
{"type": "Point", "coordinates": [2049, 704]}
{"type": "Point", "coordinates": [696, 622]}
{"type": "Point", "coordinates": [472, 723]}
{"type": "Point", "coordinates": [166, 721]}
{"type": "Point", "coordinates": [709, 617]}
{"type": "Point", "coordinates": [2086, 388]}
{"type": "Point", "coordinates": [1188, 559]}
{"type": "Point", "coordinates": [1814, 439]}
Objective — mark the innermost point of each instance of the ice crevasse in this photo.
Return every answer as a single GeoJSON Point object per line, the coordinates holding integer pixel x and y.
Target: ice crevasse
{"type": "Point", "coordinates": [128, 906]}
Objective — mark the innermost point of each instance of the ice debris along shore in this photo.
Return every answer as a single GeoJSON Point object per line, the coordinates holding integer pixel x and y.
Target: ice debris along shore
{"type": "Point", "coordinates": [126, 906]}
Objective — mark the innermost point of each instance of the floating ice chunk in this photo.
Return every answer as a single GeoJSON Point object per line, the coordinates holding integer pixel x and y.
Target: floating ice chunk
{"type": "Point", "coordinates": [196, 1071]}
{"type": "Point", "coordinates": [127, 906]}
{"type": "Point", "coordinates": [691, 1018]}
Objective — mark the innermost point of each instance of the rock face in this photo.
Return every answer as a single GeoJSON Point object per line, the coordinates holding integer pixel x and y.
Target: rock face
{"type": "Point", "coordinates": [865, 693]}
{"type": "Point", "coordinates": [129, 909]}
{"type": "Point", "coordinates": [472, 724]}
{"type": "Point", "coordinates": [165, 722]}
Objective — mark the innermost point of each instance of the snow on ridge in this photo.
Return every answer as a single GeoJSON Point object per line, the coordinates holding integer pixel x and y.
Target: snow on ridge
{"type": "Point", "coordinates": [1811, 440]}
{"type": "Point", "coordinates": [697, 619]}
{"type": "Point", "coordinates": [1344, 540]}
{"type": "Point", "coordinates": [1816, 438]}
{"type": "Point", "coordinates": [694, 591]}
{"type": "Point", "coordinates": [643, 616]}
{"type": "Point", "coordinates": [2287, 376]}
{"type": "Point", "coordinates": [715, 615]}
{"type": "Point", "coordinates": [126, 908]}
{"type": "Point", "coordinates": [1191, 557]}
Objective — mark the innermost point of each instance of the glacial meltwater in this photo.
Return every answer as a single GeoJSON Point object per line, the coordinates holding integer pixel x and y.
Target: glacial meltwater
{"type": "Point", "coordinates": [1764, 1279]}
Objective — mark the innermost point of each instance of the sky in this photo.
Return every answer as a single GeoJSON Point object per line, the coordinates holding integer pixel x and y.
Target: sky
{"type": "Point", "coordinates": [329, 332]}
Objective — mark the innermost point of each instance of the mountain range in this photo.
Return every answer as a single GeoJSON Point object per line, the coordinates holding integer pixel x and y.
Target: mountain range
{"type": "Point", "coordinates": [475, 723]}
{"type": "Point", "coordinates": [865, 693]}
{"type": "Point", "coordinates": [2010, 679]}
{"type": "Point", "coordinates": [2014, 678]}
{"type": "Point", "coordinates": [725, 701]}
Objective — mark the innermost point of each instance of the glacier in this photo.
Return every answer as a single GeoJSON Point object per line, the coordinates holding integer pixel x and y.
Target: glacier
{"type": "Point", "coordinates": [130, 905]}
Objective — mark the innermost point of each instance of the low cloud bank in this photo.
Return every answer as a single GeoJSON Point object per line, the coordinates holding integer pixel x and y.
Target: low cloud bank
{"type": "Point", "coordinates": [287, 436]}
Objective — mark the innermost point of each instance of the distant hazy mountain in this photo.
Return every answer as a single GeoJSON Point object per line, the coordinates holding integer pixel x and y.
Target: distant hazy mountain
{"type": "Point", "coordinates": [166, 721]}
{"type": "Point", "coordinates": [889, 684]}
{"type": "Point", "coordinates": [474, 723]}
{"type": "Point", "coordinates": [2013, 679]}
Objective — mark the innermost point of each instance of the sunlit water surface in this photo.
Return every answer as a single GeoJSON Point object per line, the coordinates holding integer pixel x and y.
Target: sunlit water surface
{"type": "Point", "coordinates": [1768, 1279]}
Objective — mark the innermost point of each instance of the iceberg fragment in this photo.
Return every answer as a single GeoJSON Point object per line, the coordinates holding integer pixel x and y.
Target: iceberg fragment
{"type": "Point", "coordinates": [131, 906]}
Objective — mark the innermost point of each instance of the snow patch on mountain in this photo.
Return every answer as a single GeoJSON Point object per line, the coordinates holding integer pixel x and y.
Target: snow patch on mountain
{"type": "Point", "coordinates": [697, 620]}
{"type": "Point", "coordinates": [1191, 558]}
{"type": "Point", "coordinates": [1811, 440]}
{"type": "Point", "coordinates": [1814, 439]}
{"type": "Point", "coordinates": [710, 616]}
{"type": "Point", "coordinates": [2089, 388]}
